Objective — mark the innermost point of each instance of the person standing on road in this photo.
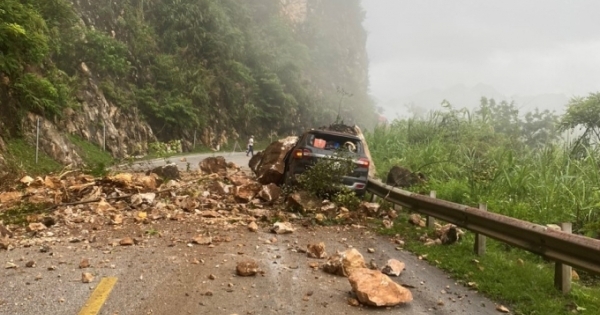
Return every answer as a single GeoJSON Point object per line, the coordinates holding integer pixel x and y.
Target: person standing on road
{"type": "Point", "coordinates": [250, 149]}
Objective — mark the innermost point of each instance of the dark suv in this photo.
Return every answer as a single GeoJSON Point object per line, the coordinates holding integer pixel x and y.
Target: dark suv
{"type": "Point", "coordinates": [317, 144]}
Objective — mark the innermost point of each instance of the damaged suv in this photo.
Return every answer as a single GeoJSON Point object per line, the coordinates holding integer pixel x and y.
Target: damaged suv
{"type": "Point", "coordinates": [314, 145]}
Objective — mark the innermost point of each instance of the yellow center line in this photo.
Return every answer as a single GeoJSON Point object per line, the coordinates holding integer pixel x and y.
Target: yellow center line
{"type": "Point", "coordinates": [98, 297]}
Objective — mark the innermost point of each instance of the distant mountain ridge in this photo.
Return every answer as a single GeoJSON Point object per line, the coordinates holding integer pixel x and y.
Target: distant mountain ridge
{"type": "Point", "coordinates": [461, 96]}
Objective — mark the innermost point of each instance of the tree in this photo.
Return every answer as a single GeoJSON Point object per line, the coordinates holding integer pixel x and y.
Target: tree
{"type": "Point", "coordinates": [583, 112]}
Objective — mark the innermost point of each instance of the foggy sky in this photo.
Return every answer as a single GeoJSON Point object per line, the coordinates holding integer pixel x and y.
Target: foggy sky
{"type": "Point", "coordinates": [520, 47]}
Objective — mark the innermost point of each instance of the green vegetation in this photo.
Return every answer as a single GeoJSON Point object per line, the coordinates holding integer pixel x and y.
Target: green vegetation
{"type": "Point", "coordinates": [520, 166]}
{"type": "Point", "coordinates": [21, 160]}
{"type": "Point", "coordinates": [18, 215]}
{"type": "Point", "coordinates": [516, 278]}
{"type": "Point", "coordinates": [493, 156]}
{"type": "Point", "coordinates": [95, 159]}
{"type": "Point", "coordinates": [324, 180]}
{"type": "Point", "coordinates": [239, 67]}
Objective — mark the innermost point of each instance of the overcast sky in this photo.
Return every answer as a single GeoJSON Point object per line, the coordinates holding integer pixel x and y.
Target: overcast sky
{"type": "Point", "coordinates": [520, 47]}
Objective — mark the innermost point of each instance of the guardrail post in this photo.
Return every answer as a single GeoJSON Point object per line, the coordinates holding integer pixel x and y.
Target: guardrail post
{"type": "Point", "coordinates": [562, 272]}
{"type": "Point", "coordinates": [480, 240]}
{"type": "Point", "coordinates": [430, 219]}
{"type": "Point", "coordinates": [373, 198]}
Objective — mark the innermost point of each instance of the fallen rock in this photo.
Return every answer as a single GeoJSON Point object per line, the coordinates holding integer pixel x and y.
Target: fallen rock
{"type": "Point", "coordinates": [5, 243]}
{"type": "Point", "coordinates": [36, 227]}
{"type": "Point", "coordinates": [353, 302]}
{"type": "Point", "coordinates": [202, 240]}
{"type": "Point", "coordinates": [246, 192]}
{"type": "Point", "coordinates": [282, 228]}
{"type": "Point", "coordinates": [84, 263]}
{"type": "Point", "coordinates": [269, 193]}
{"type": "Point", "coordinates": [374, 288]}
{"type": "Point", "coordinates": [343, 263]}
{"type": "Point", "coordinates": [149, 182]}
{"type": "Point", "coordinates": [448, 234]}
{"type": "Point", "coordinates": [415, 219]}
{"type": "Point", "coordinates": [303, 201]}
{"type": "Point", "coordinates": [4, 232]}
{"type": "Point", "coordinates": [502, 309]}
{"type": "Point", "coordinates": [30, 264]}
{"type": "Point", "coordinates": [239, 179]}
{"type": "Point", "coordinates": [247, 268]}
{"type": "Point", "coordinates": [270, 166]}
{"type": "Point", "coordinates": [127, 241]}
{"type": "Point", "coordinates": [26, 180]}
{"type": "Point", "coordinates": [217, 187]}
{"type": "Point", "coordinates": [87, 277]}
{"type": "Point", "coordinates": [393, 267]}
{"type": "Point", "coordinates": [213, 165]}
{"type": "Point", "coordinates": [10, 197]}
{"type": "Point", "coordinates": [169, 171]}
{"type": "Point", "coordinates": [252, 227]}
{"type": "Point", "coordinates": [10, 265]}
{"type": "Point", "coordinates": [255, 161]}
{"type": "Point", "coordinates": [402, 177]}
{"type": "Point", "coordinates": [369, 208]}
{"type": "Point", "coordinates": [316, 250]}
{"type": "Point", "coordinates": [139, 199]}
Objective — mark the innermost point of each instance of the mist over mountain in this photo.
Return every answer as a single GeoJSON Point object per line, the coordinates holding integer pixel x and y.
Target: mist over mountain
{"type": "Point", "coordinates": [463, 96]}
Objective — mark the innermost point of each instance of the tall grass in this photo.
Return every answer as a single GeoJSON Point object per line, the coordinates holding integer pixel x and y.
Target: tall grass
{"type": "Point", "coordinates": [468, 162]}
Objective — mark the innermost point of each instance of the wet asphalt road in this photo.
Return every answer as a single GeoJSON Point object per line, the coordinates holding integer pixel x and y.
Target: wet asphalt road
{"type": "Point", "coordinates": [182, 161]}
{"type": "Point", "coordinates": [159, 276]}
{"type": "Point", "coordinates": [166, 274]}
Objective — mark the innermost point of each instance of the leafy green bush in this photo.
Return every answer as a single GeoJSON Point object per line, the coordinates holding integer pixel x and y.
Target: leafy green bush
{"type": "Point", "coordinates": [324, 180]}
{"type": "Point", "coordinates": [493, 156]}
{"type": "Point", "coordinates": [105, 54]}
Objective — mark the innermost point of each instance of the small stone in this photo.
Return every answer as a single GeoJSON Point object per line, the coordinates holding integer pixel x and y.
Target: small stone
{"type": "Point", "coordinates": [36, 227]}
{"type": "Point", "coordinates": [87, 277]}
{"type": "Point", "coordinates": [353, 302]}
{"type": "Point", "coordinates": [371, 250]}
{"type": "Point", "coordinates": [212, 277]}
{"type": "Point", "coordinates": [30, 264]}
{"type": "Point", "coordinates": [202, 240]}
{"type": "Point", "coordinates": [127, 241]}
{"type": "Point", "coordinates": [247, 268]}
{"type": "Point", "coordinates": [502, 309]}
{"type": "Point", "coordinates": [252, 227]}
{"type": "Point", "coordinates": [393, 267]}
{"type": "Point", "coordinates": [84, 263]}
{"type": "Point", "coordinates": [10, 265]}
{"type": "Point", "coordinates": [316, 250]}
{"type": "Point", "coordinates": [282, 228]}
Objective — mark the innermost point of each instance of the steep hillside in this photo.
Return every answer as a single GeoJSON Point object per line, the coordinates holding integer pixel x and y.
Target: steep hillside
{"type": "Point", "coordinates": [146, 70]}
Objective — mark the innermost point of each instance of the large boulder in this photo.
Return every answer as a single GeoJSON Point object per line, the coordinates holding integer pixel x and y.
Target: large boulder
{"type": "Point", "coordinates": [399, 176]}
{"type": "Point", "coordinates": [374, 288]}
{"type": "Point", "coordinates": [269, 165]}
{"type": "Point", "coordinates": [213, 165]}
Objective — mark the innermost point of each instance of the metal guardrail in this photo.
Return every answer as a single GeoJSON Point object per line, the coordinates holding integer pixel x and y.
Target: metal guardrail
{"type": "Point", "coordinates": [574, 250]}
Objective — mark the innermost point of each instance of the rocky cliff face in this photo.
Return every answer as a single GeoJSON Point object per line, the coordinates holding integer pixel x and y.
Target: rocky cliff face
{"type": "Point", "coordinates": [295, 10]}
{"type": "Point", "coordinates": [126, 133]}
{"type": "Point", "coordinates": [123, 133]}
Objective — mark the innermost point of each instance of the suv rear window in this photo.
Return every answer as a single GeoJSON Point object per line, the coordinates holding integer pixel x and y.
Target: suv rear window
{"type": "Point", "coordinates": [333, 142]}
